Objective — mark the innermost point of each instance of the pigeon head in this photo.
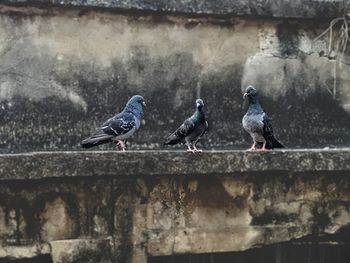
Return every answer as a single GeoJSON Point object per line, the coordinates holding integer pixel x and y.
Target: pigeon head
{"type": "Point", "coordinates": [251, 93]}
{"type": "Point", "coordinates": [137, 99]}
{"type": "Point", "coordinates": [199, 103]}
{"type": "Point", "coordinates": [135, 105]}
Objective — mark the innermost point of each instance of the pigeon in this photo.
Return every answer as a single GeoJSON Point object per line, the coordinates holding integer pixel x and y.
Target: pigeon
{"type": "Point", "coordinates": [120, 127]}
{"type": "Point", "coordinates": [191, 130]}
{"type": "Point", "coordinates": [258, 124]}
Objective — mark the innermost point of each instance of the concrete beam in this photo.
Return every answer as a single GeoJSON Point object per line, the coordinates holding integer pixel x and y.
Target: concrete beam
{"type": "Point", "coordinates": [289, 9]}
{"type": "Point", "coordinates": [39, 165]}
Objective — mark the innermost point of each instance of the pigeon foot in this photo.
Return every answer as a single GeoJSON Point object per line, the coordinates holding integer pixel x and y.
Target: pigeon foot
{"type": "Point", "coordinates": [197, 150]}
{"type": "Point", "coordinates": [252, 149]}
{"type": "Point", "coordinates": [121, 145]}
{"type": "Point", "coordinates": [263, 148]}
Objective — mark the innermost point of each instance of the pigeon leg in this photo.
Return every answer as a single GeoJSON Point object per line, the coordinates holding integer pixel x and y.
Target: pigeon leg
{"type": "Point", "coordinates": [263, 148]}
{"type": "Point", "coordinates": [252, 149]}
{"type": "Point", "coordinates": [190, 150]}
{"type": "Point", "coordinates": [188, 144]}
{"type": "Point", "coordinates": [121, 144]}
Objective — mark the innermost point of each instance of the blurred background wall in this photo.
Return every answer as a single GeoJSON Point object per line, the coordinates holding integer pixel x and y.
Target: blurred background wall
{"type": "Point", "coordinates": [66, 66]}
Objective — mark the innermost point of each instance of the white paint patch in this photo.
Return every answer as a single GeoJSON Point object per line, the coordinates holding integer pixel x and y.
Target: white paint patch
{"type": "Point", "coordinates": [6, 90]}
{"type": "Point", "coordinates": [266, 74]}
{"type": "Point", "coordinates": [77, 100]}
{"type": "Point", "coordinates": [305, 43]}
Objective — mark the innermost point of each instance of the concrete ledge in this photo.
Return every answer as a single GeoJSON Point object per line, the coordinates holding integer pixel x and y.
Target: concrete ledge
{"type": "Point", "coordinates": [124, 207]}
{"type": "Point", "coordinates": [39, 165]}
{"type": "Point", "coordinates": [289, 9]}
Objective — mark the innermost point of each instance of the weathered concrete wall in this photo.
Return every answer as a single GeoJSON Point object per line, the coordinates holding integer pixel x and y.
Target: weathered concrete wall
{"type": "Point", "coordinates": [192, 215]}
{"type": "Point", "coordinates": [35, 216]}
{"type": "Point", "coordinates": [63, 72]}
{"type": "Point", "coordinates": [131, 215]}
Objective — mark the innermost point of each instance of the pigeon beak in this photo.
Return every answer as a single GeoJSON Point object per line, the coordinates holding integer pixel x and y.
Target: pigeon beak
{"type": "Point", "coordinates": [245, 95]}
{"type": "Point", "coordinates": [144, 104]}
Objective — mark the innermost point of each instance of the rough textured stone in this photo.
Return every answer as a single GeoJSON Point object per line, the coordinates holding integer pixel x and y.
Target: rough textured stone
{"type": "Point", "coordinates": [237, 213]}
{"type": "Point", "coordinates": [64, 71]}
{"type": "Point", "coordinates": [81, 250]}
{"type": "Point", "coordinates": [290, 8]}
{"type": "Point", "coordinates": [124, 207]}
{"type": "Point", "coordinates": [120, 164]}
{"type": "Point", "coordinates": [78, 214]}
{"type": "Point", "coordinates": [23, 252]}
{"type": "Point", "coordinates": [57, 222]}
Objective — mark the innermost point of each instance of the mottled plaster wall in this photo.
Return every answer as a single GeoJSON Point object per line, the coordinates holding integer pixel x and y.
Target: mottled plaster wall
{"type": "Point", "coordinates": [236, 213]}
{"type": "Point", "coordinates": [127, 220]}
{"type": "Point", "coordinates": [63, 72]}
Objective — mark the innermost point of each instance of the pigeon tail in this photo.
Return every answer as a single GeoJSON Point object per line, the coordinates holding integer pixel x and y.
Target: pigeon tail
{"type": "Point", "coordinates": [89, 142]}
{"type": "Point", "coordinates": [273, 143]}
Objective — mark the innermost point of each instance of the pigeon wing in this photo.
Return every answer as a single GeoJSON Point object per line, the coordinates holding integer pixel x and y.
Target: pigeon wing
{"type": "Point", "coordinates": [203, 132]}
{"type": "Point", "coordinates": [206, 128]}
{"type": "Point", "coordinates": [113, 127]}
{"type": "Point", "coordinates": [267, 128]}
{"type": "Point", "coordinates": [183, 131]}
{"type": "Point", "coordinates": [119, 124]}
